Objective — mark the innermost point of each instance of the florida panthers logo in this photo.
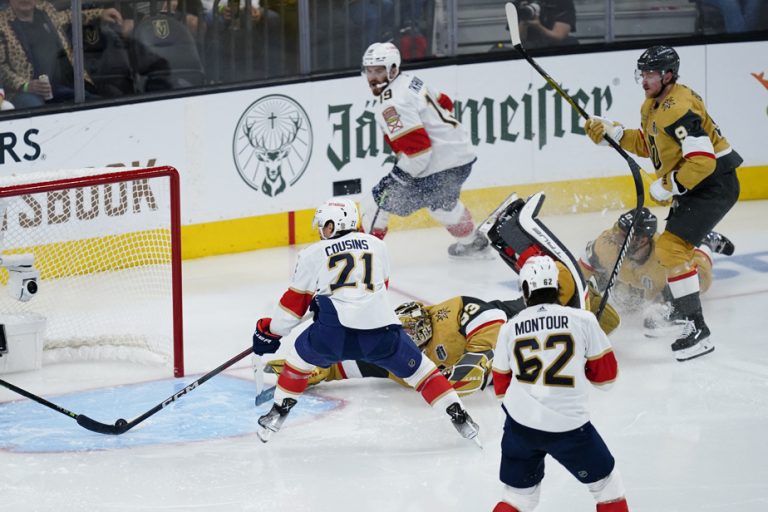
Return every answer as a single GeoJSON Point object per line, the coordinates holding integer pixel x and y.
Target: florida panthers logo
{"type": "Point", "coordinates": [272, 144]}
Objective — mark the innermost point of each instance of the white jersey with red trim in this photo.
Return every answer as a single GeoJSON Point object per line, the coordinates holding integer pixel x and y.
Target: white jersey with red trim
{"type": "Point", "coordinates": [545, 358]}
{"type": "Point", "coordinates": [352, 270]}
{"type": "Point", "coordinates": [420, 129]}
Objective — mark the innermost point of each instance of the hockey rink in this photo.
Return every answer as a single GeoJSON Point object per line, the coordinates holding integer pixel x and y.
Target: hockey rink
{"type": "Point", "coordinates": [688, 437]}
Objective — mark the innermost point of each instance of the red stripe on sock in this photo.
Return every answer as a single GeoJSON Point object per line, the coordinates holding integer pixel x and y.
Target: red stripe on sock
{"type": "Point", "coordinates": [614, 506]}
{"type": "Point", "coordinates": [682, 276]}
{"type": "Point", "coordinates": [464, 227]}
{"type": "Point", "coordinates": [434, 386]}
{"type": "Point", "coordinates": [292, 380]}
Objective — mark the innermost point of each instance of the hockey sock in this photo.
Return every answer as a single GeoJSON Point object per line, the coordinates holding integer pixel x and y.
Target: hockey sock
{"type": "Point", "coordinates": [437, 391]}
{"type": "Point", "coordinates": [291, 383]}
{"type": "Point", "coordinates": [614, 506]}
{"type": "Point", "coordinates": [457, 221]}
{"type": "Point", "coordinates": [504, 507]}
{"type": "Point", "coordinates": [684, 284]}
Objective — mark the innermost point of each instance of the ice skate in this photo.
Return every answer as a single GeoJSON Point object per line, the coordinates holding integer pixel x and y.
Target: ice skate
{"type": "Point", "coordinates": [477, 249]}
{"type": "Point", "coordinates": [694, 341]}
{"type": "Point", "coordinates": [719, 243]}
{"type": "Point", "coordinates": [463, 423]}
{"type": "Point", "coordinates": [273, 420]}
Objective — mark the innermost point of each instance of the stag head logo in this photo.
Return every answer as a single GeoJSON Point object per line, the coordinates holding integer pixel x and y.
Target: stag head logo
{"type": "Point", "coordinates": [272, 144]}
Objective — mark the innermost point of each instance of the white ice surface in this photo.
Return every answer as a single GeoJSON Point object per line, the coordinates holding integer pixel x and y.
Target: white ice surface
{"type": "Point", "coordinates": [687, 437]}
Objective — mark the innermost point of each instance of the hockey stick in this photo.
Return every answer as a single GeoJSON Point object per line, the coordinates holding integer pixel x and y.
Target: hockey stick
{"type": "Point", "coordinates": [121, 426]}
{"type": "Point", "coordinates": [637, 172]}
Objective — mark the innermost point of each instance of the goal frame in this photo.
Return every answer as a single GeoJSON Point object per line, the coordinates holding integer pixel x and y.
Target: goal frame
{"type": "Point", "coordinates": [131, 174]}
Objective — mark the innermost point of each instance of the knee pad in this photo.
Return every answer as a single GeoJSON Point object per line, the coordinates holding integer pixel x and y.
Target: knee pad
{"type": "Point", "coordinates": [610, 488]}
{"type": "Point", "coordinates": [524, 500]}
{"type": "Point", "coordinates": [674, 253]}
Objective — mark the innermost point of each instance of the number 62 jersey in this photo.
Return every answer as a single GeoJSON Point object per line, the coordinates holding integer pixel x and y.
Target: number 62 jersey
{"type": "Point", "coordinates": [352, 271]}
{"type": "Point", "coordinates": [545, 359]}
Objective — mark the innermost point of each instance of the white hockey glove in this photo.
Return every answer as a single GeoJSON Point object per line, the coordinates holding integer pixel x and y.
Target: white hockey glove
{"type": "Point", "coordinates": [667, 186]}
{"type": "Point", "coordinates": [597, 126]}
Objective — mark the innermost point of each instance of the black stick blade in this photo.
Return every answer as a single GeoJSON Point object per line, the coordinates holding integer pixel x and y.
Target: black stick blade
{"type": "Point", "coordinates": [98, 427]}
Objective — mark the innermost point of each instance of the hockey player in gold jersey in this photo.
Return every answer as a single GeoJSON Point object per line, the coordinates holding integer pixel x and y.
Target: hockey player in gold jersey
{"type": "Point", "coordinates": [642, 282]}
{"type": "Point", "coordinates": [696, 173]}
{"type": "Point", "coordinates": [459, 334]}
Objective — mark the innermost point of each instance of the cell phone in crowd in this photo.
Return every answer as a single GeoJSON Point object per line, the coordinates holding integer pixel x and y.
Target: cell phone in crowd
{"type": "Point", "coordinates": [44, 78]}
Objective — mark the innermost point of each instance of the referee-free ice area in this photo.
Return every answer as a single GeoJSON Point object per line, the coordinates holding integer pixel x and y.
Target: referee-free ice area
{"type": "Point", "coordinates": [686, 436]}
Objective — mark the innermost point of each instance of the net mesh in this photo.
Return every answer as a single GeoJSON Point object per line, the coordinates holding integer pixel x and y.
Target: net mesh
{"type": "Point", "coordinates": [104, 257]}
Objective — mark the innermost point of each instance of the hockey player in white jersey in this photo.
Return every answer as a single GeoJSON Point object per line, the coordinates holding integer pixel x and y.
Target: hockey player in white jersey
{"type": "Point", "coordinates": [434, 153]}
{"type": "Point", "coordinates": [343, 280]}
{"type": "Point", "coordinates": [546, 357]}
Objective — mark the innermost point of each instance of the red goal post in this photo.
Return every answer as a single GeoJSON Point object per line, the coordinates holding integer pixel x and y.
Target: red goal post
{"type": "Point", "coordinates": [107, 246]}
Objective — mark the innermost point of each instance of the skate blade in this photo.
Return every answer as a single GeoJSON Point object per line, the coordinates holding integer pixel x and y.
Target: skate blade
{"type": "Point", "coordinates": [702, 348]}
{"type": "Point", "coordinates": [485, 226]}
{"type": "Point", "coordinates": [264, 434]}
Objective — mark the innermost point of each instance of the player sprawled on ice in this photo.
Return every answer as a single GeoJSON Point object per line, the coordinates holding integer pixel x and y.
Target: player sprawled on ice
{"type": "Point", "coordinates": [459, 334]}
{"type": "Point", "coordinates": [343, 280]}
{"type": "Point", "coordinates": [434, 153]}
{"type": "Point", "coordinates": [546, 358]}
{"type": "Point", "coordinates": [696, 172]}
{"type": "Point", "coordinates": [642, 282]}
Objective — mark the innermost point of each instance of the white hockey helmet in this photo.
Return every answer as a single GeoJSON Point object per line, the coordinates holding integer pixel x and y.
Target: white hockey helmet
{"type": "Point", "coordinates": [342, 212]}
{"type": "Point", "coordinates": [538, 272]}
{"type": "Point", "coordinates": [382, 54]}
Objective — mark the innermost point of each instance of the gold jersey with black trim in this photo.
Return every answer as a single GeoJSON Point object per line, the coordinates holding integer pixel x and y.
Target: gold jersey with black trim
{"type": "Point", "coordinates": [677, 135]}
{"type": "Point", "coordinates": [640, 279]}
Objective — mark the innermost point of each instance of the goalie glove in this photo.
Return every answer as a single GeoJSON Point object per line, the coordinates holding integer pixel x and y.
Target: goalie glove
{"type": "Point", "coordinates": [667, 186]}
{"type": "Point", "coordinates": [264, 341]}
{"type": "Point", "coordinates": [597, 126]}
{"type": "Point", "coordinates": [470, 373]}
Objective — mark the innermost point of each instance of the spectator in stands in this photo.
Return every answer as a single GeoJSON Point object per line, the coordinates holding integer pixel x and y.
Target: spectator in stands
{"type": "Point", "coordinates": [375, 18]}
{"type": "Point", "coordinates": [36, 54]}
{"type": "Point", "coordinates": [545, 23]}
{"type": "Point", "coordinates": [4, 105]}
{"type": "Point", "coordinates": [738, 15]}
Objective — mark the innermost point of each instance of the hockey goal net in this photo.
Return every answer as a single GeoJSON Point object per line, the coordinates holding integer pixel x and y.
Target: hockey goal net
{"type": "Point", "coordinates": [106, 245]}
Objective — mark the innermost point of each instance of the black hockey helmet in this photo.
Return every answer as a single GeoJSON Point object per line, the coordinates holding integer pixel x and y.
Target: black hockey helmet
{"type": "Point", "coordinates": [646, 225]}
{"type": "Point", "coordinates": [659, 58]}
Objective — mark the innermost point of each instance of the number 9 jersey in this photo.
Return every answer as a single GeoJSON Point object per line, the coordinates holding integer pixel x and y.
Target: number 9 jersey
{"type": "Point", "coordinates": [352, 271]}
{"type": "Point", "coordinates": [545, 358]}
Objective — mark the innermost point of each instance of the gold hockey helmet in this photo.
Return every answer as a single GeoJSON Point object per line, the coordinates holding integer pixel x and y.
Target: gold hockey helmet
{"type": "Point", "coordinates": [416, 321]}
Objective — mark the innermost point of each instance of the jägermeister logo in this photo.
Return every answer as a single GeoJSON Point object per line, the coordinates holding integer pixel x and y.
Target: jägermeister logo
{"type": "Point", "coordinates": [272, 144]}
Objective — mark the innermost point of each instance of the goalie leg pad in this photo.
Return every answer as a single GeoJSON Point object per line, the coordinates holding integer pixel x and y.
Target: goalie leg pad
{"type": "Point", "coordinates": [518, 234]}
